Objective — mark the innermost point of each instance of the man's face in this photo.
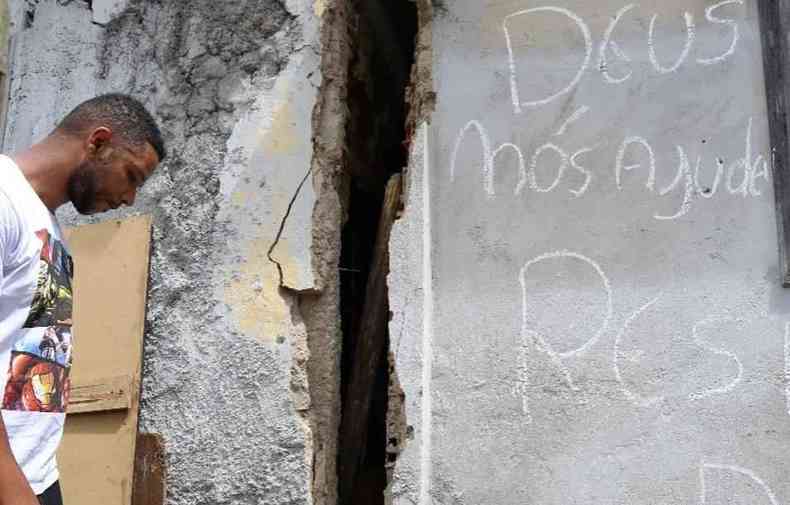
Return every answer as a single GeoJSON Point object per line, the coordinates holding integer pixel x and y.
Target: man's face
{"type": "Point", "coordinates": [110, 176]}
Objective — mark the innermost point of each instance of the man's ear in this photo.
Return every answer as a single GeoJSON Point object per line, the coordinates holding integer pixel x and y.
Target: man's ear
{"type": "Point", "coordinates": [98, 139]}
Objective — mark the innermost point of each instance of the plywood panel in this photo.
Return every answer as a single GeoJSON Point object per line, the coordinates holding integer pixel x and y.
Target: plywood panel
{"type": "Point", "coordinates": [111, 278]}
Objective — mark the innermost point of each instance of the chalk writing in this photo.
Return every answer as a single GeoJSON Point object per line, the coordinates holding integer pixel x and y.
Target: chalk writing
{"type": "Point", "coordinates": [586, 173]}
{"type": "Point", "coordinates": [426, 406]}
{"type": "Point", "coordinates": [609, 44]}
{"type": "Point", "coordinates": [684, 53]}
{"type": "Point", "coordinates": [728, 22]}
{"type": "Point", "coordinates": [521, 168]}
{"type": "Point", "coordinates": [636, 398]}
{"type": "Point", "coordinates": [581, 111]}
{"type": "Point", "coordinates": [684, 173]}
{"type": "Point", "coordinates": [705, 345]}
{"type": "Point", "coordinates": [741, 178]}
{"type": "Point", "coordinates": [564, 161]}
{"type": "Point", "coordinates": [488, 159]}
{"type": "Point", "coordinates": [708, 191]}
{"type": "Point", "coordinates": [588, 47]}
{"type": "Point", "coordinates": [619, 168]}
{"type": "Point", "coordinates": [737, 470]}
{"type": "Point", "coordinates": [532, 336]}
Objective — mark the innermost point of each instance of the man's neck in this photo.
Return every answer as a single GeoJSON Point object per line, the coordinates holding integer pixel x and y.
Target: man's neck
{"type": "Point", "coordinates": [47, 166]}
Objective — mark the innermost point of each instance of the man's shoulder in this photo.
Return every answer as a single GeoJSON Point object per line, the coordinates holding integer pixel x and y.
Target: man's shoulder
{"type": "Point", "coordinates": [19, 194]}
{"type": "Point", "coordinates": [12, 182]}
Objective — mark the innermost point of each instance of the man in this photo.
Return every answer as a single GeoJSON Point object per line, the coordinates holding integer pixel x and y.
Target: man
{"type": "Point", "coordinates": [96, 158]}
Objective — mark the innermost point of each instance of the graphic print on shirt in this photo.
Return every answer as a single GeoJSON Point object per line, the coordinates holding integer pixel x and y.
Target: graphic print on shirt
{"type": "Point", "coordinates": [38, 375]}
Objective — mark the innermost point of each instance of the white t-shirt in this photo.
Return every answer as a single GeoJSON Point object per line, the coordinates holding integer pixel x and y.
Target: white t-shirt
{"type": "Point", "coordinates": [36, 271]}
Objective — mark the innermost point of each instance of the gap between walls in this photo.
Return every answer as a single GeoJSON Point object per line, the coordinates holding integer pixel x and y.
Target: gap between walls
{"type": "Point", "coordinates": [383, 36]}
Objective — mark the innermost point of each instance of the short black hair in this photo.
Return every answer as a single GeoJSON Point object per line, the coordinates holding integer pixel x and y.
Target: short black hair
{"type": "Point", "coordinates": [124, 115]}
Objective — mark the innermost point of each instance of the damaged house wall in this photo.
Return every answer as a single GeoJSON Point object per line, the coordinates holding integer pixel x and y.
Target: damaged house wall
{"type": "Point", "coordinates": [242, 338]}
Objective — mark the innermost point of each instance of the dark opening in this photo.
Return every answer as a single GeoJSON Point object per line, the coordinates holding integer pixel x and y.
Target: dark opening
{"type": "Point", "coordinates": [384, 34]}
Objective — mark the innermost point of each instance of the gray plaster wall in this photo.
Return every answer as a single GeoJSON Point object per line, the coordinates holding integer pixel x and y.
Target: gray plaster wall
{"type": "Point", "coordinates": [570, 332]}
{"type": "Point", "coordinates": [234, 85]}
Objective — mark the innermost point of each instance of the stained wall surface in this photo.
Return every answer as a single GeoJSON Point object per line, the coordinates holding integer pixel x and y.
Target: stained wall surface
{"type": "Point", "coordinates": [594, 314]}
{"type": "Point", "coordinates": [234, 85]}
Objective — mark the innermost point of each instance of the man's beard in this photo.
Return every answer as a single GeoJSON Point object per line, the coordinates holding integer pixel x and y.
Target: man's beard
{"type": "Point", "coordinates": [82, 189]}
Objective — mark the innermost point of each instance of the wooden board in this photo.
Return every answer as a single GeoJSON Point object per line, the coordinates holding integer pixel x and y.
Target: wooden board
{"type": "Point", "coordinates": [114, 393]}
{"type": "Point", "coordinates": [370, 349]}
{"type": "Point", "coordinates": [111, 280]}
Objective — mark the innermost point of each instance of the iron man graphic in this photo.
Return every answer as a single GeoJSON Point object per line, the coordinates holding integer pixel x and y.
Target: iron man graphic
{"type": "Point", "coordinates": [35, 386]}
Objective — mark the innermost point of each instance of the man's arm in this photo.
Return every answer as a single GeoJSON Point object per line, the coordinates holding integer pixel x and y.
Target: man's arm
{"type": "Point", "coordinates": [14, 487]}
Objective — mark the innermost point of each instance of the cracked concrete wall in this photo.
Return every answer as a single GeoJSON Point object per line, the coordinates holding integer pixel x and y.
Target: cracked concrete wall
{"type": "Point", "coordinates": [577, 317]}
{"type": "Point", "coordinates": [240, 281]}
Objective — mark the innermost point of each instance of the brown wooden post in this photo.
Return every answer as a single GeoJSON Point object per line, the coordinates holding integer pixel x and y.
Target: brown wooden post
{"type": "Point", "coordinates": [370, 350]}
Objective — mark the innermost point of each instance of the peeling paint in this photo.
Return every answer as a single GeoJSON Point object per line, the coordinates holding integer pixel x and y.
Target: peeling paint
{"type": "Point", "coordinates": [254, 295]}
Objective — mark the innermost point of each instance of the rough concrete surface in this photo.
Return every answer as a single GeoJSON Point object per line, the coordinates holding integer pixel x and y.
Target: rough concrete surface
{"type": "Point", "coordinates": [407, 327]}
{"type": "Point", "coordinates": [105, 11]}
{"type": "Point", "coordinates": [583, 333]}
{"type": "Point", "coordinates": [234, 85]}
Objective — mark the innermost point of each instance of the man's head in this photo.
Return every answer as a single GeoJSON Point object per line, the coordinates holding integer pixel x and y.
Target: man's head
{"type": "Point", "coordinates": [121, 148]}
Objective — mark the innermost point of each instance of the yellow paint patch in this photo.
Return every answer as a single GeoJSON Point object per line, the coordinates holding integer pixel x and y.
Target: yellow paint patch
{"type": "Point", "coordinates": [254, 295]}
{"type": "Point", "coordinates": [319, 7]}
{"type": "Point", "coordinates": [282, 137]}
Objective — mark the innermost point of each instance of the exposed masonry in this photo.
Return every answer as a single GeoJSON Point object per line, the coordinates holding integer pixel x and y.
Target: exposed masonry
{"type": "Point", "coordinates": [204, 49]}
{"type": "Point", "coordinates": [319, 309]}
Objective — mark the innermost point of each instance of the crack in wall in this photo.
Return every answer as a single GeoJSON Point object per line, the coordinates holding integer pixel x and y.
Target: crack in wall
{"type": "Point", "coordinates": [319, 309]}
{"type": "Point", "coordinates": [283, 223]}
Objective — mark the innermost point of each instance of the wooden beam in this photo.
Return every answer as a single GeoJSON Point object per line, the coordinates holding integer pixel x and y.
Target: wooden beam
{"type": "Point", "coordinates": [112, 393]}
{"type": "Point", "coordinates": [150, 475]}
{"type": "Point", "coordinates": [774, 25]}
{"type": "Point", "coordinates": [370, 350]}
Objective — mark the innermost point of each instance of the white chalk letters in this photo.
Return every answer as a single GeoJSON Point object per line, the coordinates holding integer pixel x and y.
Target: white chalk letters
{"type": "Point", "coordinates": [609, 45]}
{"type": "Point", "coordinates": [588, 49]}
{"type": "Point", "coordinates": [533, 337]}
{"type": "Point", "coordinates": [735, 470]}
{"type": "Point", "coordinates": [634, 160]}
